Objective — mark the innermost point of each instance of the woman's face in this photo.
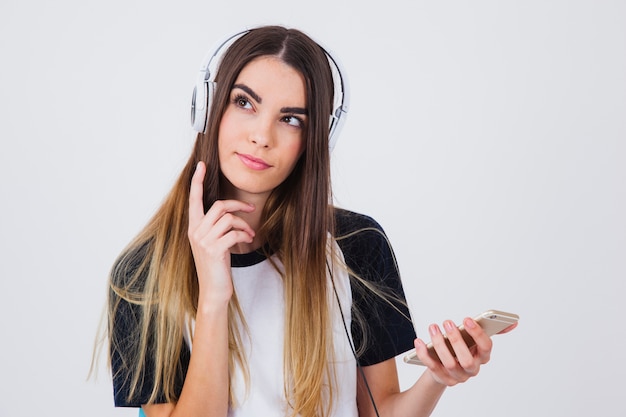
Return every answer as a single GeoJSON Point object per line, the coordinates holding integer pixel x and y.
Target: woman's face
{"type": "Point", "coordinates": [261, 135]}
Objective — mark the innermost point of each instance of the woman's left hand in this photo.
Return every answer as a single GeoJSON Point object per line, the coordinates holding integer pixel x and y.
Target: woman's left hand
{"type": "Point", "coordinates": [461, 362]}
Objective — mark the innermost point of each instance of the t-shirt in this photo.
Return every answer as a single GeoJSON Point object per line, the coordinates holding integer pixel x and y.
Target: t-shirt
{"type": "Point", "coordinates": [367, 253]}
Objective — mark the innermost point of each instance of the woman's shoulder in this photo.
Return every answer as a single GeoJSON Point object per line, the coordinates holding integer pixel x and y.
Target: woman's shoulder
{"type": "Point", "coordinates": [361, 238]}
{"type": "Point", "coordinates": [348, 222]}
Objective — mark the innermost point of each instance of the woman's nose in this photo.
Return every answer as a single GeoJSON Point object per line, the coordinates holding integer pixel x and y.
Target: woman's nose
{"type": "Point", "coordinates": [262, 133]}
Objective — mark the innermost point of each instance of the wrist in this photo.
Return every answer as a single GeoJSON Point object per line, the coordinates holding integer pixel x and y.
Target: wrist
{"type": "Point", "coordinates": [434, 380]}
{"type": "Point", "coordinates": [211, 305]}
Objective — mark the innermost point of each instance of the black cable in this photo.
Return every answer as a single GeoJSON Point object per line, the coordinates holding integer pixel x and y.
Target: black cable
{"type": "Point", "coordinates": [350, 342]}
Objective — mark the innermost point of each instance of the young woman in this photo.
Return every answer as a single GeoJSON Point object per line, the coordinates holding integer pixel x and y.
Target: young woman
{"type": "Point", "coordinates": [248, 293]}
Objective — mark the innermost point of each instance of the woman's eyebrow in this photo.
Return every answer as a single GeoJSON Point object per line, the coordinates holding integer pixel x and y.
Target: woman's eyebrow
{"type": "Point", "coordinates": [294, 110]}
{"type": "Point", "coordinates": [250, 91]}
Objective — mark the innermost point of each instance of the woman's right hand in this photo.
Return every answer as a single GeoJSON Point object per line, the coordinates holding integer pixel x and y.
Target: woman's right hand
{"type": "Point", "coordinates": [211, 236]}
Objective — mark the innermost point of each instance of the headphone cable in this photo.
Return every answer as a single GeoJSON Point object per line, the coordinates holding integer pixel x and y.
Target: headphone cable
{"type": "Point", "coordinates": [351, 343]}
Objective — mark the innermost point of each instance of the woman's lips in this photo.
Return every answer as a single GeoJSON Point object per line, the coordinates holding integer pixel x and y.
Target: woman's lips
{"type": "Point", "coordinates": [252, 162]}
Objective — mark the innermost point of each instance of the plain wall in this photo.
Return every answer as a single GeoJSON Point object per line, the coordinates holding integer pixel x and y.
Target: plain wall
{"type": "Point", "coordinates": [487, 137]}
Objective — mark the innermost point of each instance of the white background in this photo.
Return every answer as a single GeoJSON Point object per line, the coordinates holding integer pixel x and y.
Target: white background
{"type": "Point", "coordinates": [487, 137]}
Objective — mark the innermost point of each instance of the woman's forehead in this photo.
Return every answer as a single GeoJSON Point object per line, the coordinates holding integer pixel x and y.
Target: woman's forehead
{"type": "Point", "coordinates": [269, 76]}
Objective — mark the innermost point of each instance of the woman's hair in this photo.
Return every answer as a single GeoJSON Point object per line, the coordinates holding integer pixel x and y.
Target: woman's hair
{"type": "Point", "coordinates": [156, 272]}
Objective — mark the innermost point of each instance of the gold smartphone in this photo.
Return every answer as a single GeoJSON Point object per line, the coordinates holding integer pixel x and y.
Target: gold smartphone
{"type": "Point", "coordinates": [492, 322]}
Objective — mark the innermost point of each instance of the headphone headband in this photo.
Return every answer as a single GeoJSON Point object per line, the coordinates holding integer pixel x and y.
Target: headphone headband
{"type": "Point", "coordinates": [205, 89]}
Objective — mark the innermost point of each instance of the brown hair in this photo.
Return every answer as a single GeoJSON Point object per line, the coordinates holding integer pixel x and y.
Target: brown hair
{"type": "Point", "coordinates": [296, 221]}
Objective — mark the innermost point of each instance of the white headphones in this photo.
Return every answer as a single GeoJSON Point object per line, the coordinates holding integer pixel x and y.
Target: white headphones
{"type": "Point", "coordinates": [205, 89]}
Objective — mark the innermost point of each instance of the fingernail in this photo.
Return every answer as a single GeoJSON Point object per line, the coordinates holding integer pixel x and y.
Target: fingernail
{"type": "Point", "coordinates": [433, 329]}
{"type": "Point", "coordinates": [449, 325]}
{"type": "Point", "coordinates": [469, 323]}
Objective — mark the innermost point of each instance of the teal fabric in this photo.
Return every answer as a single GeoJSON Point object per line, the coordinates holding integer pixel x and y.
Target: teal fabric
{"type": "Point", "coordinates": [141, 413]}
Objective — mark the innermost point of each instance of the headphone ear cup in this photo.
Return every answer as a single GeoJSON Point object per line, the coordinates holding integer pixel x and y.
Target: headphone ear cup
{"type": "Point", "coordinates": [198, 106]}
{"type": "Point", "coordinates": [336, 123]}
{"type": "Point", "coordinates": [201, 105]}
{"type": "Point", "coordinates": [210, 95]}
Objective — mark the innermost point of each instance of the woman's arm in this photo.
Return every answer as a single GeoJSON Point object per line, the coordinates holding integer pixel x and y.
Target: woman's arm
{"type": "Point", "coordinates": [382, 378]}
{"type": "Point", "coordinates": [206, 388]}
{"type": "Point", "coordinates": [205, 391]}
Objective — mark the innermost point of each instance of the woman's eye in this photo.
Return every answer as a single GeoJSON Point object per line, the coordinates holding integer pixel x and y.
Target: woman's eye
{"type": "Point", "coordinates": [243, 102]}
{"type": "Point", "coordinates": [293, 121]}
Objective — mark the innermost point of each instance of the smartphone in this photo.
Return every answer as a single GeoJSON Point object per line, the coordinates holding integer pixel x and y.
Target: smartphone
{"type": "Point", "coordinates": [492, 322]}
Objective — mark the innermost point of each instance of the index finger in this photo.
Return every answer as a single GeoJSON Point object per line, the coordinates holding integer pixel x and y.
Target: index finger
{"type": "Point", "coordinates": [196, 205]}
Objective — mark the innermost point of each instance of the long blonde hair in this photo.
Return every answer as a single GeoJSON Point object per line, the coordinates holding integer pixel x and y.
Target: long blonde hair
{"type": "Point", "coordinates": [156, 271]}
